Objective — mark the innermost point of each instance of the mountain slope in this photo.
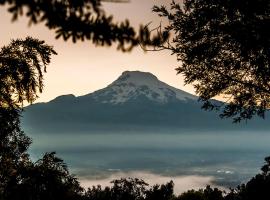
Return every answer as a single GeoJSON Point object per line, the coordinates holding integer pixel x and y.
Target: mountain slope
{"type": "Point", "coordinates": [135, 101]}
{"type": "Point", "coordinates": [131, 84]}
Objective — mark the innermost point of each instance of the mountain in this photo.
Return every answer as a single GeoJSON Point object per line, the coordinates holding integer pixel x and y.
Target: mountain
{"type": "Point", "coordinates": [135, 84]}
{"type": "Point", "coordinates": [136, 101]}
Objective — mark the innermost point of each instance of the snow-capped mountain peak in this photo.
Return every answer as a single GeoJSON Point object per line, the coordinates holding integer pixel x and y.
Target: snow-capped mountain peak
{"type": "Point", "coordinates": [132, 84]}
{"type": "Point", "coordinates": [137, 78]}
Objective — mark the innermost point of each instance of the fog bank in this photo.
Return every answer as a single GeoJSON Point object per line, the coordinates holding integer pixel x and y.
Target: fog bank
{"type": "Point", "coordinates": [181, 183]}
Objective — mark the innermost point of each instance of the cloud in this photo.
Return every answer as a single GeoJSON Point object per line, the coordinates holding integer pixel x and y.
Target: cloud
{"type": "Point", "coordinates": [181, 183]}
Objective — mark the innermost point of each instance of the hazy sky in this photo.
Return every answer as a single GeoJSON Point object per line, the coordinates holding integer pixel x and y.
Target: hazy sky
{"type": "Point", "coordinates": [82, 68]}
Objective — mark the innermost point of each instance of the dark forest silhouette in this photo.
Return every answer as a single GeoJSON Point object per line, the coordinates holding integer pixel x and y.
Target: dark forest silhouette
{"type": "Point", "coordinates": [82, 20]}
{"type": "Point", "coordinates": [223, 47]}
{"type": "Point", "coordinates": [242, 71]}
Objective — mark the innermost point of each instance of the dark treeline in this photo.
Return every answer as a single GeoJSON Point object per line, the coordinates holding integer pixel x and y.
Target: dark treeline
{"type": "Point", "coordinates": [49, 179]}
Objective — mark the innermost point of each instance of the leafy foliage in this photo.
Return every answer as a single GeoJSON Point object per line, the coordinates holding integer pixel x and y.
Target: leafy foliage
{"type": "Point", "coordinates": [203, 194]}
{"type": "Point", "coordinates": [21, 74]}
{"type": "Point", "coordinates": [224, 47]}
{"type": "Point", "coordinates": [80, 20]}
{"type": "Point", "coordinates": [257, 187]}
{"type": "Point", "coordinates": [13, 146]}
{"type": "Point", "coordinates": [22, 63]}
{"type": "Point", "coordinates": [130, 189]}
{"type": "Point", "coordinates": [160, 192]}
{"type": "Point", "coordinates": [48, 178]}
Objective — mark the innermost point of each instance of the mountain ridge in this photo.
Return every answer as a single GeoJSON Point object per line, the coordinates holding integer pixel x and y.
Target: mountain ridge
{"type": "Point", "coordinates": [136, 100]}
{"type": "Point", "coordinates": [135, 78]}
{"type": "Point", "coordinates": [126, 86]}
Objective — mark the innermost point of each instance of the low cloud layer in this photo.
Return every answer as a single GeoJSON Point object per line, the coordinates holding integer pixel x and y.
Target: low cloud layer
{"type": "Point", "coordinates": [181, 183]}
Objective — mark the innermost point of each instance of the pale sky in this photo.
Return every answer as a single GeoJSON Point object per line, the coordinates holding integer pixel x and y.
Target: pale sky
{"type": "Point", "coordinates": [82, 68]}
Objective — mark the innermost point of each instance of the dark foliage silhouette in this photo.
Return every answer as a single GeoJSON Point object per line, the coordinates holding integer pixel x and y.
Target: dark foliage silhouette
{"type": "Point", "coordinates": [22, 64]}
{"type": "Point", "coordinates": [131, 189]}
{"type": "Point", "coordinates": [223, 47]}
{"type": "Point", "coordinates": [81, 20]}
{"type": "Point", "coordinates": [13, 147]}
{"type": "Point", "coordinates": [21, 74]}
{"type": "Point", "coordinates": [160, 192]}
{"type": "Point", "coordinates": [256, 188]}
{"type": "Point", "coordinates": [203, 194]}
{"type": "Point", "coordinates": [46, 179]}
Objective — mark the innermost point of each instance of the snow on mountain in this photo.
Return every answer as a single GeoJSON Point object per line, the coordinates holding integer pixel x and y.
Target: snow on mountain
{"type": "Point", "coordinates": [132, 84]}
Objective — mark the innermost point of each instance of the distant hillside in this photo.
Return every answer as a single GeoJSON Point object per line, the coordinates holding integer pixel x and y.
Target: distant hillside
{"type": "Point", "coordinates": [136, 101]}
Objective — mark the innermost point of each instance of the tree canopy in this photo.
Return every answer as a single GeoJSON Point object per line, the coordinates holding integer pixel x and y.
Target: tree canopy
{"type": "Point", "coordinates": [22, 63]}
{"type": "Point", "coordinates": [224, 50]}
{"type": "Point", "coordinates": [81, 20]}
{"type": "Point", "coordinates": [46, 179]}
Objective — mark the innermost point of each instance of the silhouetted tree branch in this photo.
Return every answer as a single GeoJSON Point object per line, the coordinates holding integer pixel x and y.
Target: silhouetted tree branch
{"type": "Point", "coordinates": [80, 20]}
{"type": "Point", "coordinates": [223, 47]}
{"type": "Point", "coordinates": [21, 70]}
